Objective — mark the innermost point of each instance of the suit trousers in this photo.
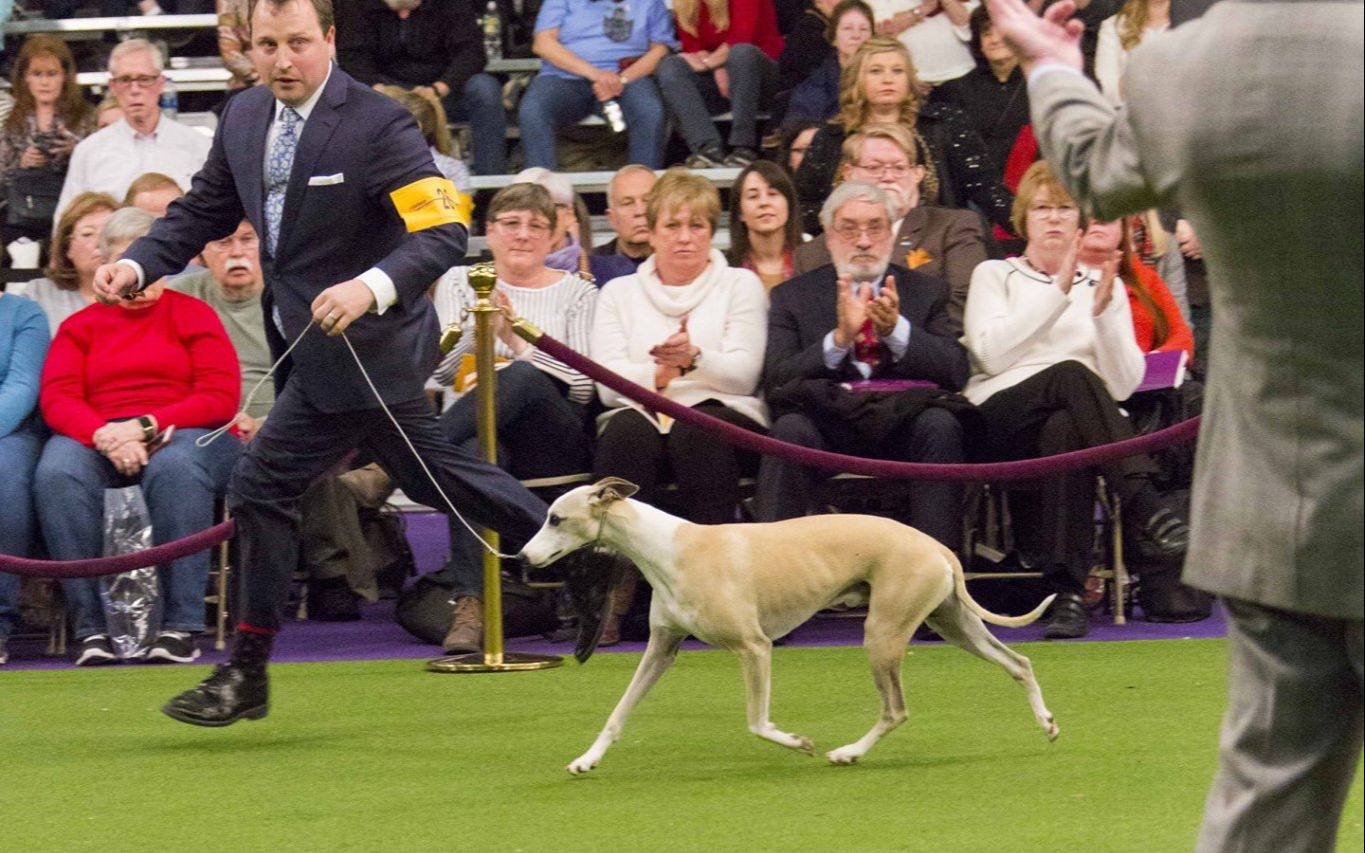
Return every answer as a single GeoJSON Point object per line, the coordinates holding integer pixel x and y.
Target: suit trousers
{"type": "Point", "coordinates": [787, 490]}
{"type": "Point", "coordinates": [1291, 736]}
{"type": "Point", "coordinates": [298, 443]}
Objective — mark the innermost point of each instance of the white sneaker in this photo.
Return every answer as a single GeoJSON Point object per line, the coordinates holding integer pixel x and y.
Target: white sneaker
{"type": "Point", "coordinates": [173, 647]}
{"type": "Point", "coordinates": [95, 650]}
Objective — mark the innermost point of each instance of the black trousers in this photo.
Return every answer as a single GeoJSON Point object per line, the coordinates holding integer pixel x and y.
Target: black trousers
{"type": "Point", "coordinates": [1065, 407]}
{"type": "Point", "coordinates": [299, 442]}
{"type": "Point", "coordinates": [706, 470]}
{"type": "Point", "coordinates": [787, 490]}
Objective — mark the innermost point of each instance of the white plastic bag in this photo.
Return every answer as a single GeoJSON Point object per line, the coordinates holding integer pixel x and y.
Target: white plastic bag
{"type": "Point", "coordinates": [132, 600]}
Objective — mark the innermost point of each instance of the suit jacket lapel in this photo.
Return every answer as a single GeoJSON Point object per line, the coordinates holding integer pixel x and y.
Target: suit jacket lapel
{"type": "Point", "coordinates": [317, 130]}
{"type": "Point", "coordinates": [253, 188]}
{"type": "Point", "coordinates": [909, 236]}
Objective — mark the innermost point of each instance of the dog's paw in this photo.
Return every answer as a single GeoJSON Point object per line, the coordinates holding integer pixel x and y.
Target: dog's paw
{"type": "Point", "coordinates": [581, 765]}
{"type": "Point", "coordinates": [842, 755]}
{"type": "Point", "coordinates": [1053, 730]}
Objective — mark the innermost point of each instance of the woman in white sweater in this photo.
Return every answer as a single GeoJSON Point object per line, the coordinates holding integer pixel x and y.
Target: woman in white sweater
{"type": "Point", "coordinates": [541, 403]}
{"type": "Point", "coordinates": [1053, 348]}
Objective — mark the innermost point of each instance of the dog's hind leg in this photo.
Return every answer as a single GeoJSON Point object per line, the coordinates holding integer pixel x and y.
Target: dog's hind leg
{"type": "Point", "coordinates": [885, 651]}
{"type": "Point", "coordinates": [755, 661]}
{"type": "Point", "coordinates": [660, 653]}
{"type": "Point", "coordinates": [964, 629]}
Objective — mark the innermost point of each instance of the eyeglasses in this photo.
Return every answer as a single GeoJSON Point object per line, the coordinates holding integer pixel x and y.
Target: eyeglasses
{"type": "Point", "coordinates": [1047, 211]}
{"type": "Point", "coordinates": [874, 230]}
{"type": "Point", "coordinates": [246, 241]}
{"type": "Point", "coordinates": [139, 81]}
{"type": "Point", "coordinates": [891, 170]}
{"type": "Point", "coordinates": [515, 226]}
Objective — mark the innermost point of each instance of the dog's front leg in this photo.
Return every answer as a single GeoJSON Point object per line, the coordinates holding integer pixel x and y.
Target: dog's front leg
{"type": "Point", "coordinates": [755, 660]}
{"type": "Point", "coordinates": [660, 653]}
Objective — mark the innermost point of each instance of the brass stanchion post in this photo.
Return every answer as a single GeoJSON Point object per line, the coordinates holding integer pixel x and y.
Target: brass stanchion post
{"type": "Point", "coordinates": [483, 279]}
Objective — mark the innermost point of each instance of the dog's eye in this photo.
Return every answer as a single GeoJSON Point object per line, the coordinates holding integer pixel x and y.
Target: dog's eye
{"type": "Point", "coordinates": [553, 520]}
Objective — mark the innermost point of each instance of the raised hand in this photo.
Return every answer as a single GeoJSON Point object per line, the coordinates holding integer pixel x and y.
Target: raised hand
{"type": "Point", "coordinates": [1053, 38]}
{"type": "Point", "coordinates": [1104, 291]}
{"type": "Point", "coordinates": [1067, 273]}
{"type": "Point", "coordinates": [676, 350]}
{"type": "Point", "coordinates": [885, 309]}
{"type": "Point", "coordinates": [851, 303]}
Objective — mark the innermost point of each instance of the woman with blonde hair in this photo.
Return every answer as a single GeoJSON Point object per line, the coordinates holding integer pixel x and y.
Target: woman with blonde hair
{"type": "Point", "coordinates": [1122, 33]}
{"type": "Point", "coordinates": [879, 84]}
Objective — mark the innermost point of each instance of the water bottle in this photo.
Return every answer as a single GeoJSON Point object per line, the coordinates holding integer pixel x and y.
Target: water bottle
{"type": "Point", "coordinates": [492, 31]}
{"type": "Point", "coordinates": [170, 100]}
{"type": "Point", "coordinates": [611, 110]}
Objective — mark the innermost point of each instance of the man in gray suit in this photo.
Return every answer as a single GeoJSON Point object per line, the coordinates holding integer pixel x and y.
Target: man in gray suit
{"type": "Point", "coordinates": [1250, 121]}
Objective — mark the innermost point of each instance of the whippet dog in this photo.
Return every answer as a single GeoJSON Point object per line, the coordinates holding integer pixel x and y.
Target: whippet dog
{"type": "Point", "coordinates": [739, 586]}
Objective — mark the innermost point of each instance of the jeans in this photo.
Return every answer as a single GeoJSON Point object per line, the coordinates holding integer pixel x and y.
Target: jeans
{"type": "Point", "coordinates": [540, 434]}
{"type": "Point", "coordinates": [179, 483]}
{"type": "Point", "coordinates": [18, 455]}
{"type": "Point", "coordinates": [693, 98]}
{"type": "Point", "coordinates": [479, 102]}
{"type": "Point", "coordinates": [552, 102]}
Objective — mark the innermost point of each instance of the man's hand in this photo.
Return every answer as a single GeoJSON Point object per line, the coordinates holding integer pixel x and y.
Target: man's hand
{"type": "Point", "coordinates": [1052, 38]}
{"type": "Point", "coordinates": [247, 426]}
{"type": "Point", "coordinates": [115, 434]}
{"type": "Point", "coordinates": [607, 85]}
{"type": "Point", "coordinates": [885, 309]}
{"type": "Point", "coordinates": [1104, 291]}
{"type": "Point", "coordinates": [340, 305]}
{"type": "Point", "coordinates": [851, 302]}
{"type": "Point", "coordinates": [113, 282]}
{"type": "Point", "coordinates": [1188, 240]}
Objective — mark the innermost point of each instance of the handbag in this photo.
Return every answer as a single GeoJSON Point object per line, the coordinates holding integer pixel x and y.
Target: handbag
{"type": "Point", "coordinates": [32, 197]}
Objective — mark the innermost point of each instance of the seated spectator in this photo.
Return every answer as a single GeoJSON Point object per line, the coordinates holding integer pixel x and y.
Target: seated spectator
{"type": "Point", "coordinates": [864, 317]}
{"type": "Point", "coordinates": [764, 230]}
{"type": "Point", "coordinates": [108, 112]}
{"type": "Point", "coordinates": [108, 160]}
{"type": "Point", "coordinates": [728, 59]}
{"type": "Point", "coordinates": [692, 328]}
{"type": "Point", "coordinates": [153, 192]}
{"type": "Point", "coordinates": [117, 376]}
{"type": "Point", "coordinates": [993, 97]}
{"type": "Point", "coordinates": [23, 346]}
{"type": "Point", "coordinates": [806, 46]}
{"type": "Point", "coordinates": [796, 137]}
{"type": "Point", "coordinates": [541, 403]}
{"type": "Point", "coordinates": [627, 197]}
{"type": "Point", "coordinates": [935, 32]}
{"type": "Point", "coordinates": [1053, 348]}
{"type": "Point", "coordinates": [234, 43]}
{"type": "Point", "coordinates": [879, 86]}
{"type": "Point", "coordinates": [1158, 325]}
{"type": "Point", "coordinates": [817, 97]}
{"type": "Point", "coordinates": [36, 139]}
{"type": "Point", "coordinates": [938, 241]}
{"type": "Point", "coordinates": [1119, 35]}
{"type": "Point", "coordinates": [69, 285]}
{"type": "Point", "coordinates": [431, 120]}
{"type": "Point", "coordinates": [432, 48]}
{"type": "Point", "coordinates": [571, 242]}
{"type": "Point", "coordinates": [592, 53]}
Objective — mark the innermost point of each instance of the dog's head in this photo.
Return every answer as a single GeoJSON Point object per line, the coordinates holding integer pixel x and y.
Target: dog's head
{"type": "Point", "coordinates": [575, 520]}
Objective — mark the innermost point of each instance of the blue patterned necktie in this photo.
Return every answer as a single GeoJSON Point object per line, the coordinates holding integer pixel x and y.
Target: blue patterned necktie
{"type": "Point", "coordinates": [278, 167]}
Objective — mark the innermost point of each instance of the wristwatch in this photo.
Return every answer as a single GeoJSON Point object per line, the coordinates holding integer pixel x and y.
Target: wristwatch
{"type": "Point", "coordinates": [696, 361]}
{"type": "Point", "coordinates": [148, 427]}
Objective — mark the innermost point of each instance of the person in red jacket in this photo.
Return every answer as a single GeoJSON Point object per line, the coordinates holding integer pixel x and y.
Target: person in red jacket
{"type": "Point", "coordinates": [116, 378]}
{"type": "Point", "coordinates": [729, 57]}
{"type": "Point", "coordinates": [1157, 321]}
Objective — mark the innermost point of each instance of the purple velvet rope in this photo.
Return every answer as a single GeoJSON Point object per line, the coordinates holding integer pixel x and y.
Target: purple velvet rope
{"type": "Point", "coordinates": [1023, 469]}
{"type": "Point", "coordinates": [155, 556]}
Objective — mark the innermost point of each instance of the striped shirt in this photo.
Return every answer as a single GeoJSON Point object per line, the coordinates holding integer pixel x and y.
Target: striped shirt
{"type": "Point", "coordinates": [563, 310]}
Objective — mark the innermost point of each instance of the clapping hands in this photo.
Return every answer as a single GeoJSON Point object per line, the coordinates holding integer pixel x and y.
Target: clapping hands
{"type": "Point", "coordinates": [856, 304]}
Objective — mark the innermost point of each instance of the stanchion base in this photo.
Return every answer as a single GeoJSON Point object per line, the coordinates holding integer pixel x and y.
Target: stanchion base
{"type": "Point", "coordinates": [477, 662]}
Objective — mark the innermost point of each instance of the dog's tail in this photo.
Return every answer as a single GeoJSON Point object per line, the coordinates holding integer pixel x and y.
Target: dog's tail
{"type": "Point", "coordinates": [960, 582]}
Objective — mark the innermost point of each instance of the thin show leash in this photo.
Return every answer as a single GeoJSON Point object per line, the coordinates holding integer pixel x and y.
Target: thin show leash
{"type": "Point", "coordinates": [206, 440]}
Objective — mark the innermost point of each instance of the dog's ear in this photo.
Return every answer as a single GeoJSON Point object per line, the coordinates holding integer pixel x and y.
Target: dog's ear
{"type": "Point", "coordinates": [608, 490]}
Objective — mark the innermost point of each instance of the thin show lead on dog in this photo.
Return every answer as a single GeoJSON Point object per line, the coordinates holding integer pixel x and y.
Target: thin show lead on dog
{"type": "Point", "coordinates": [739, 586]}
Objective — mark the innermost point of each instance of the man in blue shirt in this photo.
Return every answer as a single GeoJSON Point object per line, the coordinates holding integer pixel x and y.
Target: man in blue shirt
{"type": "Point", "coordinates": [596, 51]}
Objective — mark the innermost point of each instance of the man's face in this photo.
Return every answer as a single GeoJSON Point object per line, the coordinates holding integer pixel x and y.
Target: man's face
{"type": "Point", "coordinates": [885, 165]}
{"type": "Point", "coordinates": [291, 52]}
{"type": "Point", "coordinates": [235, 262]}
{"type": "Point", "coordinates": [626, 214]}
{"type": "Point", "coordinates": [137, 86]}
{"type": "Point", "coordinates": [859, 240]}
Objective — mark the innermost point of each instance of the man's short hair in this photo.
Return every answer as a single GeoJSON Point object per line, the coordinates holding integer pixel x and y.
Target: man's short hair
{"type": "Point", "coordinates": [137, 45]}
{"type": "Point", "coordinates": [626, 170]}
{"type": "Point", "coordinates": [323, 8]}
{"type": "Point", "coordinates": [150, 182]}
{"type": "Point", "coordinates": [855, 191]}
{"type": "Point", "coordinates": [124, 226]}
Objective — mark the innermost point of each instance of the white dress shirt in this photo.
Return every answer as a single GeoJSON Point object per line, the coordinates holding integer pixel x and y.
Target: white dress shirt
{"type": "Point", "coordinates": [109, 160]}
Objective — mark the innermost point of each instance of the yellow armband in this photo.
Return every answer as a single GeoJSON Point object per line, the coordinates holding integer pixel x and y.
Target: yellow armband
{"type": "Point", "coordinates": [430, 202]}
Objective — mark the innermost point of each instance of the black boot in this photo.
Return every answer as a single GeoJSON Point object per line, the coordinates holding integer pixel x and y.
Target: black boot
{"type": "Point", "coordinates": [589, 575]}
{"type": "Point", "coordinates": [236, 690]}
{"type": "Point", "coordinates": [1069, 618]}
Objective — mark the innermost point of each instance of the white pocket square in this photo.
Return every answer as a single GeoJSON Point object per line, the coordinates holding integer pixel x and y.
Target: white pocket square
{"type": "Point", "coordinates": [327, 180]}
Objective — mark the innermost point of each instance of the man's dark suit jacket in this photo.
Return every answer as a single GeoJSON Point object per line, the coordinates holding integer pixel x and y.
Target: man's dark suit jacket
{"type": "Point", "coordinates": [357, 147]}
{"type": "Point", "coordinates": [803, 311]}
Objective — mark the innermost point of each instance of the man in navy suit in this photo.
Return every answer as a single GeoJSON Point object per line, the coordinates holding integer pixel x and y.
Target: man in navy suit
{"type": "Point", "coordinates": [357, 223]}
{"type": "Point", "coordinates": [860, 320]}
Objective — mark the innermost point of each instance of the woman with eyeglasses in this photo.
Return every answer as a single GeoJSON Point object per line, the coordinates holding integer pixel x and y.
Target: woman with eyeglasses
{"type": "Point", "coordinates": [36, 140]}
{"type": "Point", "coordinates": [1054, 349]}
{"type": "Point", "coordinates": [541, 403]}
{"type": "Point", "coordinates": [879, 84]}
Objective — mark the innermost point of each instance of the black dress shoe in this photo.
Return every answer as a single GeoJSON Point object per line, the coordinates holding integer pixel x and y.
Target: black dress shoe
{"type": "Point", "coordinates": [1069, 618]}
{"type": "Point", "coordinates": [589, 576]}
{"type": "Point", "coordinates": [232, 693]}
{"type": "Point", "coordinates": [1163, 538]}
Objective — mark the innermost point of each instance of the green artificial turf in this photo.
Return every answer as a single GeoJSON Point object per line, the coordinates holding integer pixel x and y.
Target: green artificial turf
{"type": "Point", "coordinates": [384, 756]}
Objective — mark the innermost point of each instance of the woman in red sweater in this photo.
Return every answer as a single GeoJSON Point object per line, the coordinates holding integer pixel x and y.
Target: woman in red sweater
{"type": "Point", "coordinates": [1157, 321]}
{"type": "Point", "coordinates": [115, 379]}
{"type": "Point", "coordinates": [728, 58]}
